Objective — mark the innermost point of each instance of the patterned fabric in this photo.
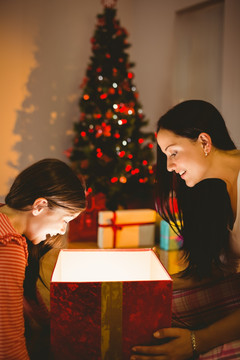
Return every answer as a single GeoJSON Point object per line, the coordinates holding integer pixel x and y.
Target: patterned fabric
{"type": "Point", "coordinates": [13, 261]}
{"type": "Point", "coordinates": [199, 307]}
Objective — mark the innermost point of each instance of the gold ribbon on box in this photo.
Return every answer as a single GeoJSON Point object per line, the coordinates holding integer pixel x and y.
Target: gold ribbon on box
{"type": "Point", "coordinates": [117, 227]}
{"type": "Point", "coordinates": [111, 320]}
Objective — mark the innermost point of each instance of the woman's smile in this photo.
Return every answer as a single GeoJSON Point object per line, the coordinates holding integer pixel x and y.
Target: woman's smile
{"type": "Point", "coordinates": [184, 156]}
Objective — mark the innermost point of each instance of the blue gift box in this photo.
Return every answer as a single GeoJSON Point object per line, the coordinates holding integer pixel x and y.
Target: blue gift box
{"type": "Point", "coordinates": [169, 240]}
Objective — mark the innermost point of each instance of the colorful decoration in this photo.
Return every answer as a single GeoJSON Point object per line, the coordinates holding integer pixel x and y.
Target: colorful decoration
{"type": "Point", "coordinates": [109, 135]}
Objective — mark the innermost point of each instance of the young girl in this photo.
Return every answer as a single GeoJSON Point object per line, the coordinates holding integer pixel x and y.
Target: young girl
{"type": "Point", "coordinates": [41, 202]}
{"type": "Point", "coordinates": [198, 163]}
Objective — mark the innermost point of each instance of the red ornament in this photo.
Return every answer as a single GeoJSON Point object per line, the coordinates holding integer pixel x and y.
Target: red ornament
{"type": "Point", "coordinates": [82, 116]}
{"type": "Point", "coordinates": [101, 21]}
{"type": "Point", "coordinates": [84, 82]}
{"type": "Point", "coordinates": [109, 114]}
{"type": "Point", "coordinates": [144, 162]}
{"type": "Point", "coordinates": [84, 164]}
{"type": "Point", "coordinates": [114, 179]}
{"type": "Point", "coordinates": [68, 152]}
{"type": "Point", "coordinates": [128, 168]}
{"type": "Point", "coordinates": [111, 91]}
{"type": "Point", "coordinates": [130, 75]}
{"type": "Point", "coordinates": [150, 146]}
{"type": "Point", "coordinates": [130, 156]}
{"type": "Point", "coordinates": [83, 133]}
{"type": "Point", "coordinates": [117, 135]}
{"type": "Point", "coordinates": [140, 140]}
{"type": "Point", "coordinates": [135, 171]}
{"type": "Point", "coordinates": [108, 56]}
{"type": "Point", "coordinates": [103, 96]}
{"type": "Point", "coordinates": [86, 97]}
{"type": "Point", "coordinates": [121, 153]}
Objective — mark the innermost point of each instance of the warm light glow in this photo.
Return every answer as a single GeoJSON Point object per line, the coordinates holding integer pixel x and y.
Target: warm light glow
{"type": "Point", "coordinates": [86, 97]}
{"type": "Point", "coordinates": [123, 179]}
{"type": "Point", "coordinates": [121, 153]}
{"type": "Point", "coordinates": [135, 171]}
{"type": "Point", "coordinates": [114, 179]}
{"type": "Point", "coordinates": [126, 265]}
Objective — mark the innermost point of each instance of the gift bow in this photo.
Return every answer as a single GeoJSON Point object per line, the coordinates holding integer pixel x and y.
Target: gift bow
{"type": "Point", "coordinates": [117, 227]}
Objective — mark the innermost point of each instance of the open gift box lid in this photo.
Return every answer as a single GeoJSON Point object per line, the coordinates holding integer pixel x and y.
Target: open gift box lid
{"type": "Point", "coordinates": [103, 302]}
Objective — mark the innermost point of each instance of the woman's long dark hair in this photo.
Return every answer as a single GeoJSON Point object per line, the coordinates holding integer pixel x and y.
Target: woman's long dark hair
{"type": "Point", "coordinates": [188, 119]}
{"type": "Point", "coordinates": [55, 181]}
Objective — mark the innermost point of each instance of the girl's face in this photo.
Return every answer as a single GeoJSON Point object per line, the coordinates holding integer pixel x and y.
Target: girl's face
{"type": "Point", "coordinates": [184, 156]}
{"type": "Point", "coordinates": [47, 222]}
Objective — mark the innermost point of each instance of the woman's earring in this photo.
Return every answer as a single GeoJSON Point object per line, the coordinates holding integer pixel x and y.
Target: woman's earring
{"type": "Point", "coordinates": [205, 153]}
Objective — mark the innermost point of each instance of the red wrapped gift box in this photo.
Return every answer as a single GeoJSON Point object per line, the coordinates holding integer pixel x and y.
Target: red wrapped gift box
{"type": "Point", "coordinates": [103, 302]}
{"type": "Point", "coordinates": [85, 226]}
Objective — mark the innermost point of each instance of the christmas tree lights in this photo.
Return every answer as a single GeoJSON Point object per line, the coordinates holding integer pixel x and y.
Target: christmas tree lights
{"type": "Point", "coordinates": [109, 148]}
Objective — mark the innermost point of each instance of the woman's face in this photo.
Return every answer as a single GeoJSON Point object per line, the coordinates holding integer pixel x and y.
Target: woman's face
{"type": "Point", "coordinates": [48, 222]}
{"type": "Point", "coordinates": [184, 156]}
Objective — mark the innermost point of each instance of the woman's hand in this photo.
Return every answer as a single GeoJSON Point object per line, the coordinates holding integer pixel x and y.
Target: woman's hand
{"type": "Point", "coordinates": [178, 347]}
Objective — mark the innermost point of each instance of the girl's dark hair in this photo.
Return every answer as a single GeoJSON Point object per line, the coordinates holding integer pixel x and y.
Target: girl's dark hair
{"type": "Point", "coordinates": [55, 181]}
{"type": "Point", "coordinates": [188, 119]}
{"type": "Point", "coordinates": [51, 179]}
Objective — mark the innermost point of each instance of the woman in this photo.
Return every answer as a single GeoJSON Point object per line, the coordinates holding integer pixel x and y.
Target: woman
{"type": "Point", "coordinates": [198, 163]}
{"type": "Point", "coordinates": [41, 202]}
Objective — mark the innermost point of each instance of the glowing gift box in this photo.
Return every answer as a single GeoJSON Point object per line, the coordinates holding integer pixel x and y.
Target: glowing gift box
{"type": "Point", "coordinates": [103, 302]}
{"type": "Point", "coordinates": [169, 240]}
{"type": "Point", "coordinates": [126, 228]}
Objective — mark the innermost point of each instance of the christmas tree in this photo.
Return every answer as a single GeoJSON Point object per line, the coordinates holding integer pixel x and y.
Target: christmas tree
{"type": "Point", "coordinates": [110, 149]}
